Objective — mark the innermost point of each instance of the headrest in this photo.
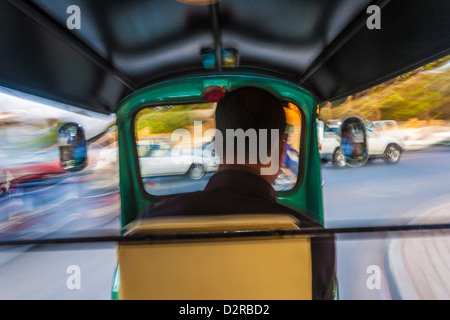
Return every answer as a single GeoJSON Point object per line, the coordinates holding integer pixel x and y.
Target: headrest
{"type": "Point", "coordinates": [235, 222]}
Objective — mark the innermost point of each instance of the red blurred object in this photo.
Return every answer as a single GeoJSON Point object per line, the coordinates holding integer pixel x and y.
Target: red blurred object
{"type": "Point", "coordinates": [214, 93]}
{"type": "Point", "coordinates": [35, 172]}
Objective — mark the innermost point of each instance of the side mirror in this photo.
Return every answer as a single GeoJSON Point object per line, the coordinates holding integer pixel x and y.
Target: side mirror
{"type": "Point", "coordinates": [72, 147]}
{"type": "Point", "coordinates": [354, 141]}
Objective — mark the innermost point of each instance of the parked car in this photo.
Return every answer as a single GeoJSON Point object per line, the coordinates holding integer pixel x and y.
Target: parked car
{"type": "Point", "coordinates": [158, 159]}
{"type": "Point", "coordinates": [380, 146]}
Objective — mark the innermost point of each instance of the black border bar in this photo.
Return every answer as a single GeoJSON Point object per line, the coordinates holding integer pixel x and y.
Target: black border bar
{"type": "Point", "coordinates": [161, 237]}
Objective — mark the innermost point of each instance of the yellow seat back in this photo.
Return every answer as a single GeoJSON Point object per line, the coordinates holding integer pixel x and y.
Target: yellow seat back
{"type": "Point", "coordinates": [275, 267]}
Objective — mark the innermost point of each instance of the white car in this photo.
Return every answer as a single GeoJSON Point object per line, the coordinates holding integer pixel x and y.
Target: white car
{"type": "Point", "coordinates": [161, 160]}
{"type": "Point", "coordinates": [379, 146]}
{"type": "Point", "coordinates": [383, 125]}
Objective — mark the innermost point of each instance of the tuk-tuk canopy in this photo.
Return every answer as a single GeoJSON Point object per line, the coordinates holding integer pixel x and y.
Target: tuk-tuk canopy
{"type": "Point", "coordinates": [121, 46]}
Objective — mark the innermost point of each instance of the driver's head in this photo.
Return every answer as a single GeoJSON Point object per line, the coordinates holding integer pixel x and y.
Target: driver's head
{"type": "Point", "coordinates": [258, 113]}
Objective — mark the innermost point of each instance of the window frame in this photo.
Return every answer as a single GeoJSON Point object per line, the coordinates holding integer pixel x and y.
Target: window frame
{"type": "Point", "coordinates": [281, 193]}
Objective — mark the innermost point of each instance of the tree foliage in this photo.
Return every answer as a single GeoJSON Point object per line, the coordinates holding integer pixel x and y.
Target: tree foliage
{"type": "Point", "coordinates": [164, 119]}
{"type": "Point", "coordinates": [423, 93]}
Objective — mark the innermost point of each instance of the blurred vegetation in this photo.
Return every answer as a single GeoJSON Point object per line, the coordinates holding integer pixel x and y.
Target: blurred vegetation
{"type": "Point", "coordinates": [48, 140]}
{"type": "Point", "coordinates": [165, 119]}
{"type": "Point", "coordinates": [45, 137]}
{"type": "Point", "coordinates": [423, 93]}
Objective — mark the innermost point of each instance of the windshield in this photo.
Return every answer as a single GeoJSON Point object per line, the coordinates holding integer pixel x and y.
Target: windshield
{"type": "Point", "coordinates": [177, 153]}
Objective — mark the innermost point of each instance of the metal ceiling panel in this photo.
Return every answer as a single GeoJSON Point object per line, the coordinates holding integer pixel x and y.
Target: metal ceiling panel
{"type": "Point", "coordinates": [125, 44]}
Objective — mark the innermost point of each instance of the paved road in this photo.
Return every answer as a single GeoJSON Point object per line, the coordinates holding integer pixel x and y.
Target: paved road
{"type": "Point", "coordinates": [372, 195]}
{"type": "Point", "coordinates": [380, 194]}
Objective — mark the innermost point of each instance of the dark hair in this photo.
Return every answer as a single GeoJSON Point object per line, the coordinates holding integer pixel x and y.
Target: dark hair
{"type": "Point", "coordinates": [250, 108]}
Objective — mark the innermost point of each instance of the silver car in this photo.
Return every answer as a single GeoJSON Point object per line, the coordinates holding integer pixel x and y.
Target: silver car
{"type": "Point", "coordinates": [161, 160]}
{"type": "Point", "coordinates": [380, 146]}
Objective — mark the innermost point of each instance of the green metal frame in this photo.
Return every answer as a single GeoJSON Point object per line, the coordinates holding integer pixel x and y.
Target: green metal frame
{"type": "Point", "coordinates": [305, 197]}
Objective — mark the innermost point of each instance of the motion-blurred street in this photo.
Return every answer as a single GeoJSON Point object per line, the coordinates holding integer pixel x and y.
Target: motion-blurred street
{"type": "Point", "coordinates": [375, 194]}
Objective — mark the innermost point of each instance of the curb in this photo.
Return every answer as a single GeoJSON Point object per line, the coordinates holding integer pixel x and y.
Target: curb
{"type": "Point", "coordinates": [402, 284]}
{"type": "Point", "coordinates": [403, 287]}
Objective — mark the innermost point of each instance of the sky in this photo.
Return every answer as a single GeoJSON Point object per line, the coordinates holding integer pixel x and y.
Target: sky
{"type": "Point", "coordinates": [28, 107]}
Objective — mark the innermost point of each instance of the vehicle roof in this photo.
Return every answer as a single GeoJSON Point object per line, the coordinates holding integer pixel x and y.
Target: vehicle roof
{"type": "Point", "coordinates": [124, 45]}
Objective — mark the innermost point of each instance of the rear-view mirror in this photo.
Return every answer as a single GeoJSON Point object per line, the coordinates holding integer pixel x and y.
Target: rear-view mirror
{"type": "Point", "coordinates": [354, 141]}
{"type": "Point", "coordinates": [72, 147]}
